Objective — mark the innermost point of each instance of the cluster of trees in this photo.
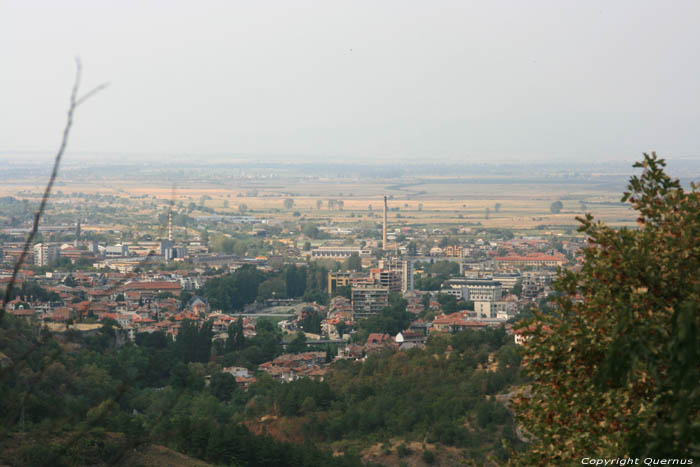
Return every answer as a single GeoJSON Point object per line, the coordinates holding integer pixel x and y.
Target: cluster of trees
{"type": "Point", "coordinates": [435, 274]}
{"type": "Point", "coordinates": [240, 245]}
{"type": "Point", "coordinates": [31, 291]}
{"type": "Point", "coordinates": [426, 394]}
{"type": "Point", "coordinates": [391, 320]}
{"type": "Point", "coordinates": [96, 403]}
{"type": "Point", "coordinates": [231, 292]}
{"type": "Point", "coordinates": [312, 231]}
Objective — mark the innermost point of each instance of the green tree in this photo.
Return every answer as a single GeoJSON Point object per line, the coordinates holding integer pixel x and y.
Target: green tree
{"type": "Point", "coordinates": [354, 263]}
{"type": "Point", "coordinates": [288, 203]}
{"type": "Point", "coordinates": [614, 364]}
{"type": "Point", "coordinates": [236, 338]}
{"type": "Point", "coordinates": [298, 344]}
{"type": "Point", "coordinates": [310, 230]}
{"type": "Point", "coordinates": [222, 386]}
{"type": "Point", "coordinates": [556, 207]}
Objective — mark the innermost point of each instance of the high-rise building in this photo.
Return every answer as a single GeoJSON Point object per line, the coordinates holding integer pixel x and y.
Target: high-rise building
{"type": "Point", "coordinates": [402, 268]}
{"type": "Point", "coordinates": [45, 254]}
{"type": "Point", "coordinates": [369, 300]}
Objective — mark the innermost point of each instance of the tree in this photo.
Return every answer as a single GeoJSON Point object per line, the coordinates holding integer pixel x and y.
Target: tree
{"type": "Point", "coordinates": [310, 230]}
{"type": "Point", "coordinates": [242, 208]}
{"type": "Point", "coordinates": [354, 262]}
{"type": "Point", "coordinates": [497, 207]}
{"type": "Point", "coordinates": [312, 322]}
{"type": "Point", "coordinates": [288, 203]}
{"type": "Point", "coordinates": [319, 203]}
{"type": "Point", "coordinates": [614, 363]}
{"type": "Point", "coordinates": [222, 386]}
{"type": "Point", "coordinates": [487, 213]}
{"type": "Point", "coordinates": [556, 207]}
{"type": "Point", "coordinates": [518, 288]}
{"type": "Point", "coordinates": [236, 338]}
{"type": "Point", "coordinates": [298, 344]}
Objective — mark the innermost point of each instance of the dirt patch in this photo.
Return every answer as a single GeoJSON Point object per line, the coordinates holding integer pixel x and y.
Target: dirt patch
{"type": "Point", "coordinates": [157, 456]}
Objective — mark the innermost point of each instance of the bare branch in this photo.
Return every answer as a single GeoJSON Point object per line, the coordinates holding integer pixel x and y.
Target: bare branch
{"type": "Point", "coordinates": [74, 102]}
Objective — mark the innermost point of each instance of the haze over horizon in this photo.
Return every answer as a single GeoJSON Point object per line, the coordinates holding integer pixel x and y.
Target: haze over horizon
{"type": "Point", "coordinates": [356, 81]}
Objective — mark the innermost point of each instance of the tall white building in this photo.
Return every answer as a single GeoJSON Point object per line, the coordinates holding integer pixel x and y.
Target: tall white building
{"type": "Point", "coordinates": [45, 254]}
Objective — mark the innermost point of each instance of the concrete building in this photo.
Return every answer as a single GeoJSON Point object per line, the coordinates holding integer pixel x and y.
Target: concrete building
{"type": "Point", "coordinates": [404, 269]}
{"type": "Point", "coordinates": [45, 254]}
{"type": "Point", "coordinates": [369, 300]}
{"type": "Point", "coordinates": [536, 260]}
{"type": "Point", "coordinates": [337, 279]}
{"type": "Point", "coordinates": [387, 278]}
{"type": "Point", "coordinates": [479, 290]}
{"type": "Point", "coordinates": [507, 279]}
{"type": "Point", "coordinates": [338, 252]}
{"type": "Point", "coordinates": [116, 251]}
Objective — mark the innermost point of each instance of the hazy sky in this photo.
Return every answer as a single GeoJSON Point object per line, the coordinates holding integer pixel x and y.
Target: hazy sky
{"type": "Point", "coordinates": [467, 80]}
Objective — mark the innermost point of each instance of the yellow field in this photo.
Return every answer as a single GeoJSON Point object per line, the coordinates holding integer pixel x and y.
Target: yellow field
{"type": "Point", "coordinates": [522, 206]}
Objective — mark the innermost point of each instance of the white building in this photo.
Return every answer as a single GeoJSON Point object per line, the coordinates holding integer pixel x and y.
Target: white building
{"type": "Point", "coordinates": [479, 289]}
{"type": "Point", "coordinates": [45, 254]}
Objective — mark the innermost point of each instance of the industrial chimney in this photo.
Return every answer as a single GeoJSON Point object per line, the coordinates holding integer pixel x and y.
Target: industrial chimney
{"type": "Point", "coordinates": [384, 226]}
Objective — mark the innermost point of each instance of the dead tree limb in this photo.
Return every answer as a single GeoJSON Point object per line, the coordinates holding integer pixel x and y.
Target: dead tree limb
{"type": "Point", "coordinates": [75, 101]}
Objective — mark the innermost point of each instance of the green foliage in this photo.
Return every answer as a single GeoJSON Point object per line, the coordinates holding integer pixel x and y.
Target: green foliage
{"type": "Point", "coordinates": [312, 322]}
{"type": "Point", "coordinates": [624, 359]}
{"type": "Point", "coordinates": [298, 344]}
{"type": "Point", "coordinates": [391, 320]}
{"type": "Point", "coordinates": [91, 408]}
{"type": "Point", "coordinates": [236, 338]}
{"type": "Point", "coordinates": [556, 207]}
{"type": "Point", "coordinates": [435, 274]}
{"type": "Point", "coordinates": [353, 263]}
{"type": "Point", "coordinates": [31, 291]}
{"type": "Point", "coordinates": [233, 291]}
{"type": "Point", "coordinates": [343, 291]}
{"type": "Point", "coordinates": [193, 342]}
{"type": "Point", "coordinates": [222, 386]}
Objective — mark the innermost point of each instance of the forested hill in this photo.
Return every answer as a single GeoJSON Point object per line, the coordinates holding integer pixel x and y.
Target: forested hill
{"type": "Point", "coordinates": [69, 399]}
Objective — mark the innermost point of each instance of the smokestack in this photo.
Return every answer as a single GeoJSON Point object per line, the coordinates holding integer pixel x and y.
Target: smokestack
{"type": "Point", "coordinates": [77, 233]}
{"type": "Point", "coordinates": [170, 226]}
{"type": "Point", "coordinates": [384, 226]}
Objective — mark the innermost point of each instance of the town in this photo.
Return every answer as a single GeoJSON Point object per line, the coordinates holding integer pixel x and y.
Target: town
{"type": "Point", "coordinates": [325, 288]}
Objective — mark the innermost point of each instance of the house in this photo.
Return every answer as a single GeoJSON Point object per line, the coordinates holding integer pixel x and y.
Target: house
{"type": "Point", "coordinates": [410, 336]}
{"type": "Point", "coordinates": [198, 305]}
{"type": "Point", "coordinates": [456, 322]}
{"type": "Point", "coordinates": [237, 371]}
